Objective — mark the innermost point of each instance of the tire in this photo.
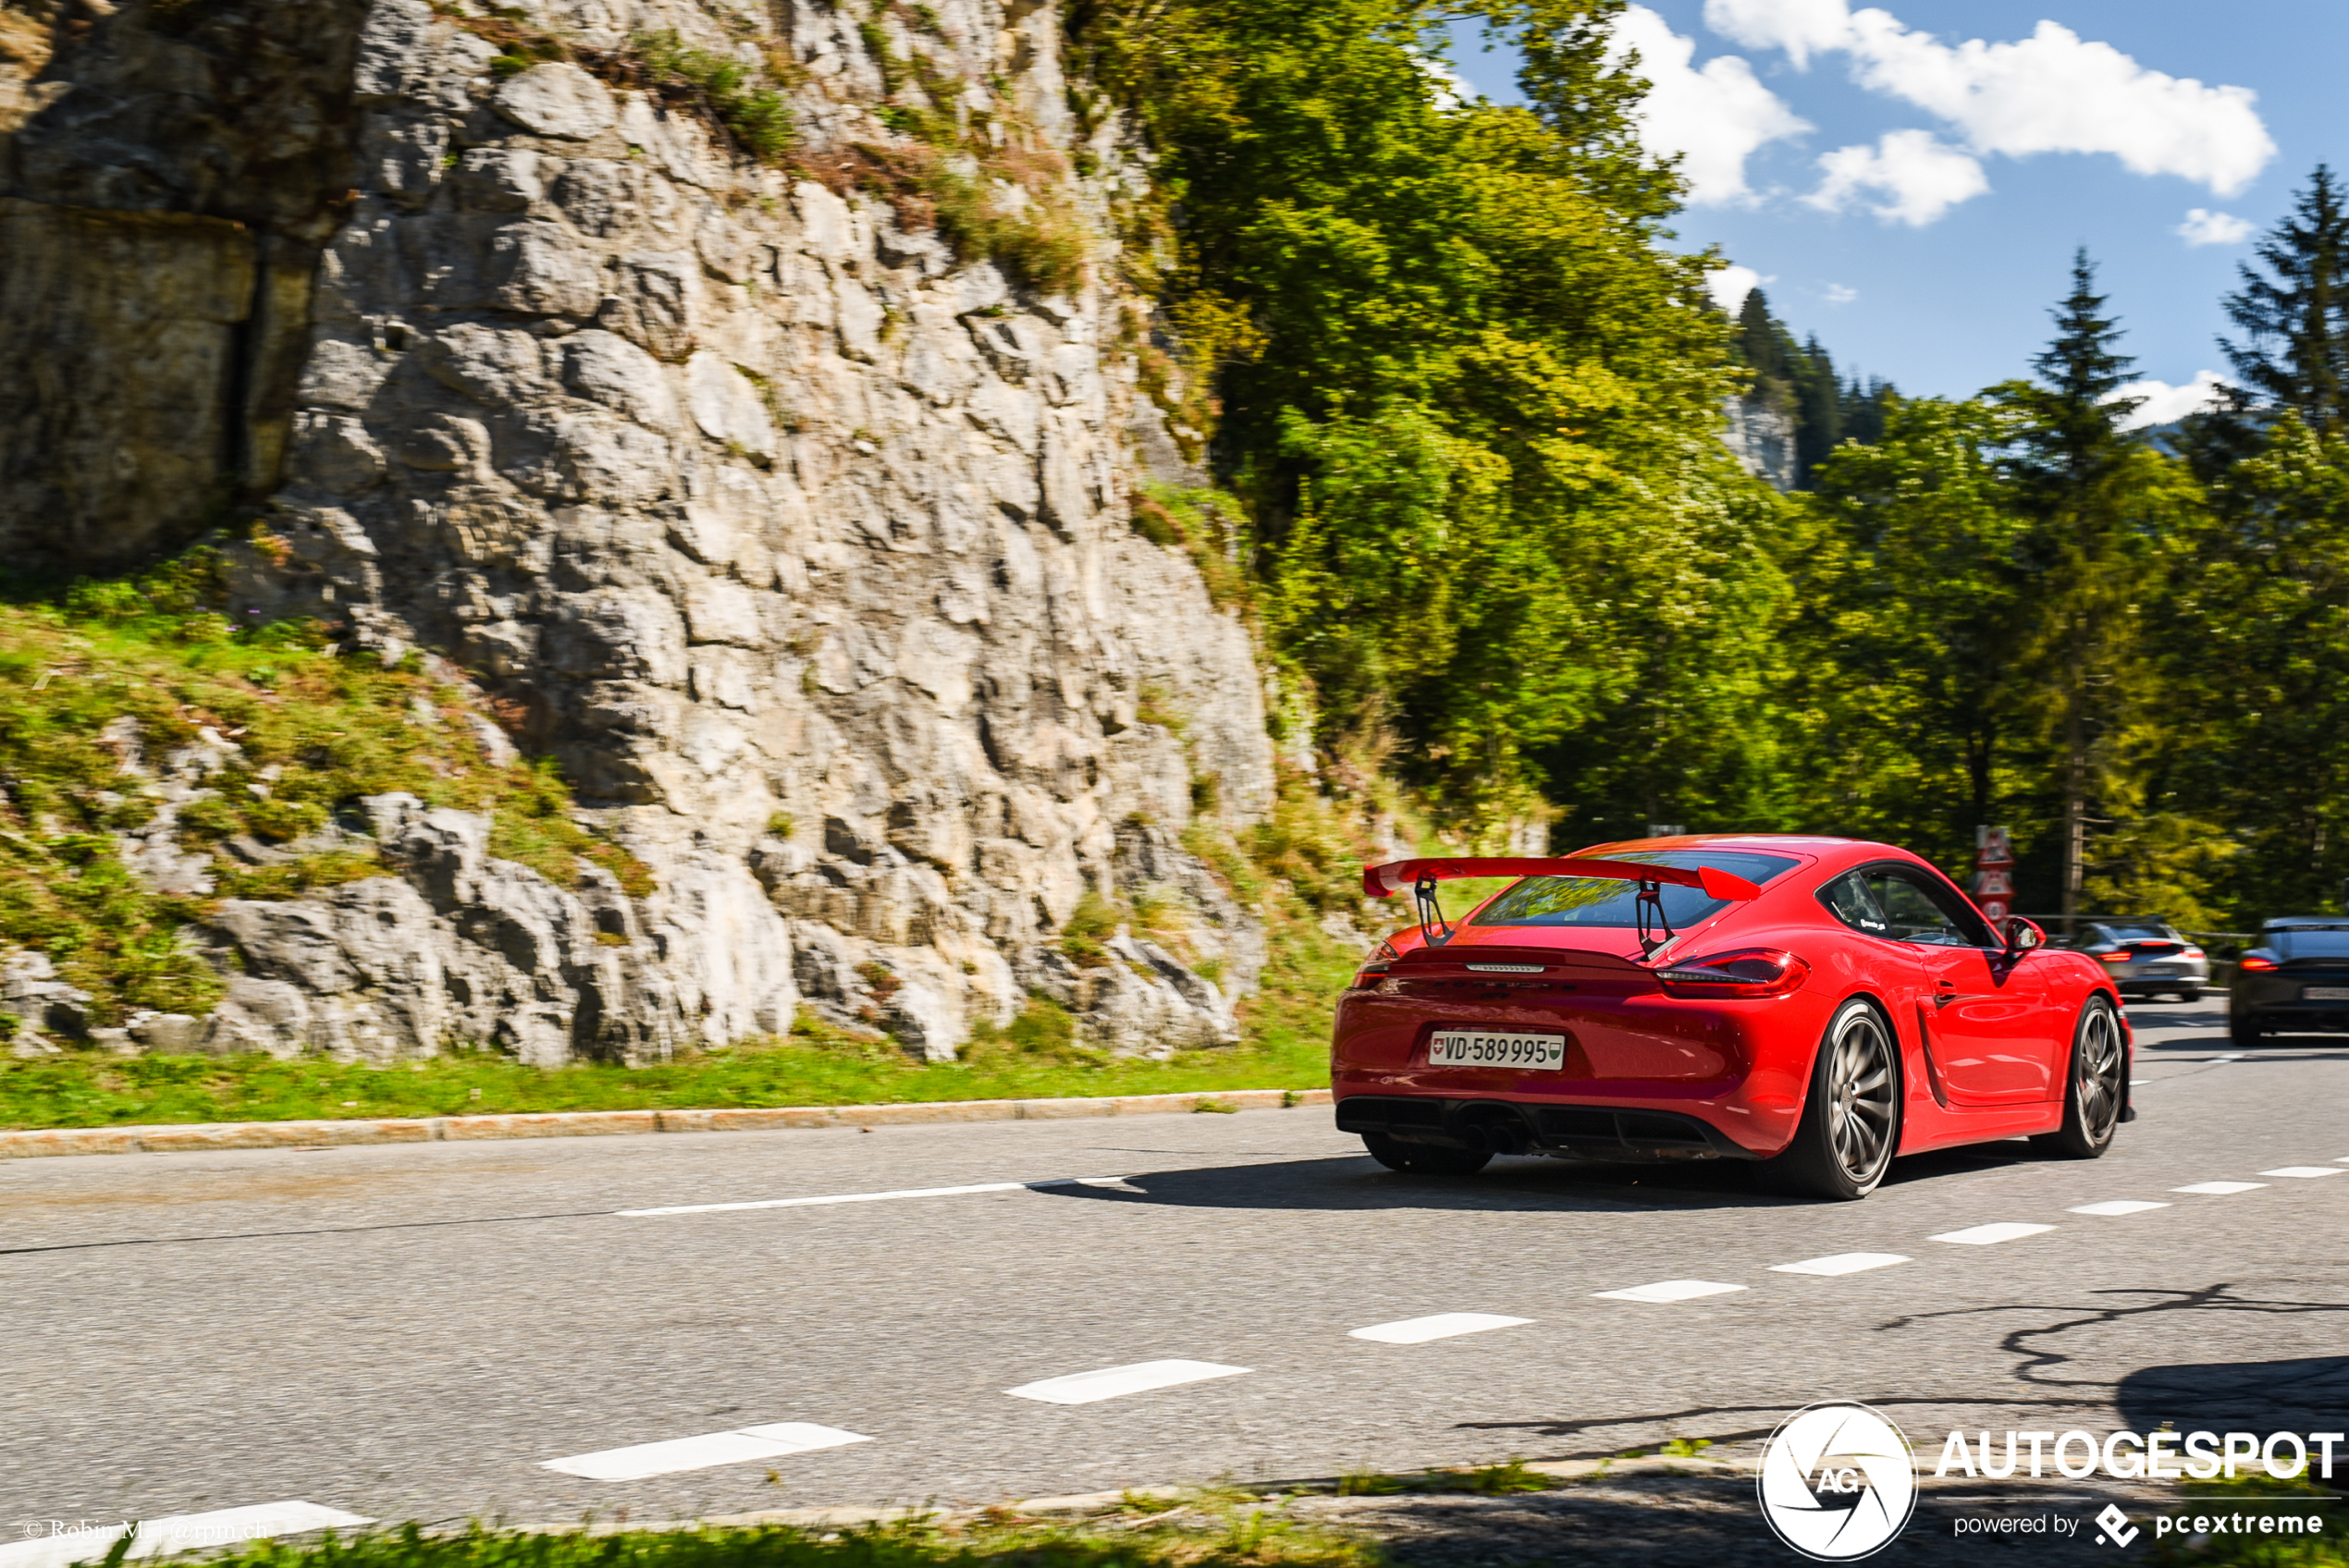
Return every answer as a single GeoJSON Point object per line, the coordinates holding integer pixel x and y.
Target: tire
{"type": "Point", "coordinates": [1424, 1160]}
{"type": "Point", "coordinates": [2094, 1087]}
{"type": "Point", "coordinates": [2243, 1030]}
{"type": "Point", "coordinates": [2190, 995]}
{"type": "Point", "coordinates": [1850, 1126]}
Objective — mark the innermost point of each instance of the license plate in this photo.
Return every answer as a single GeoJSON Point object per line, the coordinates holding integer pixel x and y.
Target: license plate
{"type": "Point", "coordinates": [1478, 1047]}
{"type": "Point", "coordinates": [2162, 969]}
{"type": "Point", "coordinates": [2324, 993]}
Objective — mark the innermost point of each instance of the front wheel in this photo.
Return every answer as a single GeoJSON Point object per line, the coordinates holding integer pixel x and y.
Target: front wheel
{"type": "Point", "coordinates": [1424, 1160]}
{"type": "Point", "coordinates": [1851, 1119]}
{"type": "Point", "coordinates": [2094, 1088]}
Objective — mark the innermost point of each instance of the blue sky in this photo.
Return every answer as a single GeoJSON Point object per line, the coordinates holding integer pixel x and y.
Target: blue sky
{"type": "Point", "coordinates": [1911, 188]}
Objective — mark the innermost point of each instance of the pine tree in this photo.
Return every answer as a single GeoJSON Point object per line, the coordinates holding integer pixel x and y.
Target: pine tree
{"type": "Point", "coordinates": [1818, 411]}
{"type": "Point", "coordinates": [2076, 472]}
{"type": "Point", "coordinates": [2295, 315]}
{"type": "Point", "coordinates": [1762, 340]}
{"type": "Point", "coordinates": [2076, 431]}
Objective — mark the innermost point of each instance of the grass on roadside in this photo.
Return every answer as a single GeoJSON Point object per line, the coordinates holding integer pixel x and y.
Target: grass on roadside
{"type": "Point", "coordinates": [814, 1066]}
{"type": "Point", "coordinates": [1207, 1533]}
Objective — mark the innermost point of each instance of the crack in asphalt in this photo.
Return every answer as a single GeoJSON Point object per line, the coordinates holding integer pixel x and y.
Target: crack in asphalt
{"type": "Point", "coordinates": [2031, 1362]}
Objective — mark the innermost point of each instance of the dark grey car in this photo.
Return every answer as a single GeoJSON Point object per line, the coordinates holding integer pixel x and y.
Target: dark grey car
{"type": "Point", "coordinates": [2144, 957]}
{"type": "Point", "coordinates": [2296, 978]}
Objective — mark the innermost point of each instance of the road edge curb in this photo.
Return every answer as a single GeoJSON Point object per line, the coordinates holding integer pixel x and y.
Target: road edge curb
{"type": "Point", "coordinates": [201, 1137]}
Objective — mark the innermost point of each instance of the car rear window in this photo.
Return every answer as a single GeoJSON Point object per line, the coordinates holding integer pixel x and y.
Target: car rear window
{"type": "Point", "coordinates": [2322, 942]}
{"type": "Point", "coordinates": [1602, 900]}
{"type": "Point", "coordinates": [2141, 933]}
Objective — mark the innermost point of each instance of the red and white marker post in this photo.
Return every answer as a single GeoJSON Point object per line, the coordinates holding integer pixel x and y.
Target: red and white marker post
{"type": "Point", "coordinates": [1993, 872]}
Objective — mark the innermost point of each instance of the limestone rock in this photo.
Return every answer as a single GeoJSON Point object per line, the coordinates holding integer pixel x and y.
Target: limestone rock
{"type": "Point", "coordinates": [766, 506]}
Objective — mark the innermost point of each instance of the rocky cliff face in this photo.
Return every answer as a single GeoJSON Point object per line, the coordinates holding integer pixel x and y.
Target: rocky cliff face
{"type": "Point", "coordinates": [1760, 436]}
{"type": "Point", "coordinates": [794, 529]}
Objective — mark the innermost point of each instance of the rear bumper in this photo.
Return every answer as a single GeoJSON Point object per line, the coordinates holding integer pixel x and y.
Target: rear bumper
{"type": "Point", "coordinates": [1588, 1132]}
{"type": "Point", "coordinates": [2275, 1002]}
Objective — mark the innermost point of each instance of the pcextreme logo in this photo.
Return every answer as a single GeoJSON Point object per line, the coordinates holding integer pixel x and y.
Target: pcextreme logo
{"type": "Point", "coordinates": [1838, 1482]}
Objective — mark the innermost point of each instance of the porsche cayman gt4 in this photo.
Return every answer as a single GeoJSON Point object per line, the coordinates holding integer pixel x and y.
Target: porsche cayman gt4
{"type": "Point", "coordinates": [1817, 1005]}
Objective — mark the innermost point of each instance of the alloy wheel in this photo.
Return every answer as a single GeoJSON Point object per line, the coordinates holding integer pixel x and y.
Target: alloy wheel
{"type": "Point", "coordinates": [2099, 1067]}
{"type": "Point", "coordinates": [1861, 1095]}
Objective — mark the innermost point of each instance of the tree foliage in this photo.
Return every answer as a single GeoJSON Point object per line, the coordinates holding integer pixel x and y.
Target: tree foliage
{"type": "Point", "coordinates": [1472, 400]}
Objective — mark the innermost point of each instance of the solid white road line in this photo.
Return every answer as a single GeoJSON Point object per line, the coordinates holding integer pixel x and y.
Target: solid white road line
{"type": "Point", "coordinates": [873, 1197]}
{"type": "Point", "coordinates": [2220, 1189]}
{"type": "Point", "coordinates": [744, 1443]}
{"type": "Point", "coordinates": [180, 1531]}
{"type": "Point", "coordinates": [2118, 1206]}
{"type": "Point", "coordinates": [1840, 1263]}
{"type": "Point", "coordinates": [2303, 1171]}
{"type": "Point", "coordinates": [1984, 1235]}
{"type": "Point", "coordinates": [1084, 1387]}
{"type": "Point", "coordinates": [1669, 1290]}
{"type": "Point", "coordinates": [1443, 1325]}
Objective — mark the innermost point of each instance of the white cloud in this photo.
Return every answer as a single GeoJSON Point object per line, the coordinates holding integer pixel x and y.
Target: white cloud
{"type": "Point", "coordinates": [2051, 92]}
{"type": "Point", "coordinates": [1731, 283]}
{"type": "Point", "coordinates": [1799, 27]}
{"type": "Point", "coordinates": [2205, 227]}
{"type": "Point", "coordinates": [1449, 89]}
{"type": "Point", "coordinates": [1716, 116]}
{"type": "Point", "coordinates": [1918, 177]}
{"type": "Point", "coordinates": [2164, 403]}
{"type": "Point", "coordinates": [1839, 294]}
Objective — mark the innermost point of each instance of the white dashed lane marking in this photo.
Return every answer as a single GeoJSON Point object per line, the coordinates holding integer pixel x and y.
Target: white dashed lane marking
{"type": "Point", "coordinates": [2220, 1189]}
{"type": "Point", "coordinates": [699, 1453]}
{"type": "Point", "coordinates": [1840, 1263]}
{"type": "Point", "coordinates": [1443, 1325]}
{"type": "Point", "coordinates": [180, 1531]}
{"type": "Point", "coordinates": [1669, 1291]}
{"type": "Point", "coordinates": [2118, 1206]}
{"type": "Point", "coordinates": [1984, 1235]}
{"type": "Point", "coordinates": [1084, 1387]}
{"type": "Point", "coordinates": [873, 1197]}
{"type": "Point", "coordinates": [2303, 1171]}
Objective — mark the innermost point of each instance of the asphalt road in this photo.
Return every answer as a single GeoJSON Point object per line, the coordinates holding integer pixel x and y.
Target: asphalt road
{"type": "Point", "coordinates": [412, 1332]}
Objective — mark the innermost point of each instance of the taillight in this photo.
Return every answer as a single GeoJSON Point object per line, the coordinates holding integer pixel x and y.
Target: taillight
{"type": "Point", "coordinates": [1748, 972]}
{"type": "Point", "coordinates": [2251, 964]}
{"type": "Point", "coordinates": [1375, 965]}
{"type": "Point", "coordinates": [2116, 958]}
{"type": "Point", "coordinates": [2194, 952]}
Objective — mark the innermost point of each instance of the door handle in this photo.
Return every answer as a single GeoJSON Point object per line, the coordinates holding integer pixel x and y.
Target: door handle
{"type": "Point", "coordinates": [1944, 992]}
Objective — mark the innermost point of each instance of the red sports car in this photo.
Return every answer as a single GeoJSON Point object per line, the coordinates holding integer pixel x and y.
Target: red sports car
{"type": "Point", "coordinates": [1819, 1005]}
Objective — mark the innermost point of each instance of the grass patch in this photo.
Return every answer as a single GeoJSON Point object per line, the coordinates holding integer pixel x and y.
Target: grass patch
{"type": "Point", "coordinates": [1223, 1534]}
{"type": "Point", "coordinates": [100, 683]}
{"type": "Point", "coordinates": [1032, 1059]}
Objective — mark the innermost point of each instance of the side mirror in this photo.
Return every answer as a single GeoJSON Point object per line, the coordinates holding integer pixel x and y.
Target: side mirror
{"type": "Point", "coordinates": [2024, 935]}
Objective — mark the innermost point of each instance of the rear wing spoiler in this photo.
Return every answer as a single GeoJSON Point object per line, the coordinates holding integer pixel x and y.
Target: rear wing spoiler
{"type": "Point", "coordinates": [1422, 876]}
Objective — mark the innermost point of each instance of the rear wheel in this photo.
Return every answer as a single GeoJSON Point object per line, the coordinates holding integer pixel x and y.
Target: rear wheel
{"type": "Point", "coordinates": [2243, 1030]}
{"type": "Point", "coordinates": [2190, 994]}
{"type": "Point", "coordinates": [1424, 1160]}
{"type": "Point", "coordinates": [2096, 1086]}
{"type": "Point", "coordinates": [1852, 1118]}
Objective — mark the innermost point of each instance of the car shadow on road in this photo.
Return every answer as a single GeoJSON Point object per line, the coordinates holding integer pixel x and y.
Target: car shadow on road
{"type": "Point", "coordinates": [1357, 1182]}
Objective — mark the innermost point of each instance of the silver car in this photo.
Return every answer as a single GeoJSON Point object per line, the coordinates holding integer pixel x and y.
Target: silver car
{"type": "Point", "coordinates": [2145, 957]}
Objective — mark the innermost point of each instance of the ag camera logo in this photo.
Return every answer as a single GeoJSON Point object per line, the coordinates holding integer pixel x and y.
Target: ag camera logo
{"type": "Point", "coordinates": [1838, 1482]}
